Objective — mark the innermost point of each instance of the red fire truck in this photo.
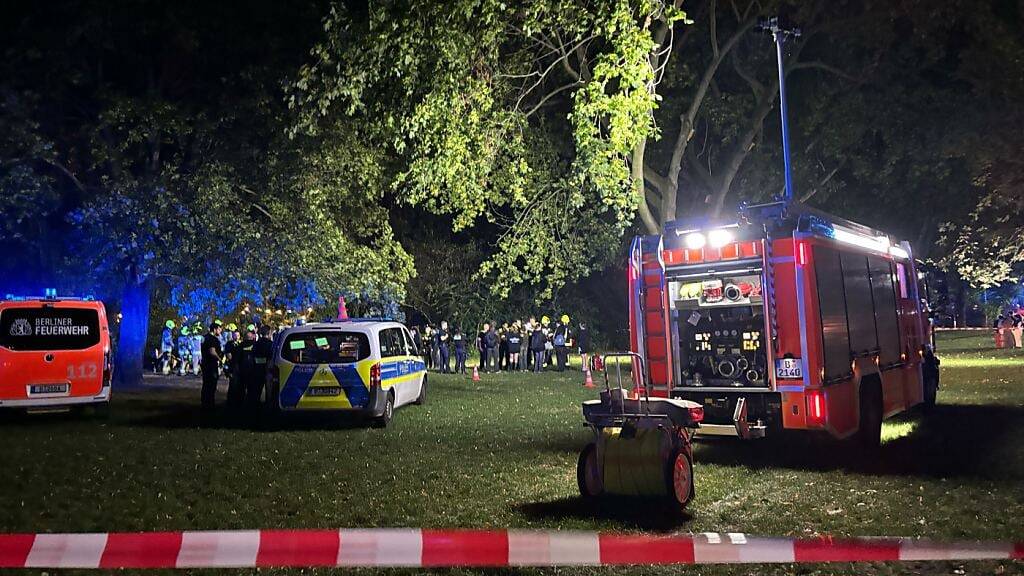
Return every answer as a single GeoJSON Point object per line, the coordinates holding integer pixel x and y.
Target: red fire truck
{"type": "Point", "coordinates": [784, 318]}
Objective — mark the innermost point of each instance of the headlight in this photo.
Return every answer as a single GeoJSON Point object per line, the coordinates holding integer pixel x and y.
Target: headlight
{"type": "Point", "coordinates": [695, 240]}
{"type": "Point", "coordinates": [719, 238]}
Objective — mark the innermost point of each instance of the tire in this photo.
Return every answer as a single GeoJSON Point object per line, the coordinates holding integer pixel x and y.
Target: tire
{"type": "Point", "coordinates": [385, 417]}
{"type": "Point", "coordinates": [588, 473]}
{"type": "Point", "coordinates": [679, 478]}
{"type": "Point", "coordinates": [869, 433]}
{"type": "Point", "coordinates": [422, 398]}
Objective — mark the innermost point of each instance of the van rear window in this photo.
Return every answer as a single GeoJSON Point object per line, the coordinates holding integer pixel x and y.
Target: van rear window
{"type": "Point", "coordinates": [327, 347]}
{"type": "Point", "coordinates": [49, 328]}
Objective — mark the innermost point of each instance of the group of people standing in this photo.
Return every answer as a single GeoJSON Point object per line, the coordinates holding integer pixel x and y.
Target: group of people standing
{"type": "Point", "coordinates": [513, 346]}
{"type": "Point", "coordinates": [1011, 327]}
{"type": "Point", "coordinates": [241, 355]}
{"type": "Point", "coordinates": [244, 360]}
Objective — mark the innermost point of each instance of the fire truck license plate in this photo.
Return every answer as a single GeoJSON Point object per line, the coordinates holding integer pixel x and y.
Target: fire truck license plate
{"type": "Point", "coordinates": [788, 369]}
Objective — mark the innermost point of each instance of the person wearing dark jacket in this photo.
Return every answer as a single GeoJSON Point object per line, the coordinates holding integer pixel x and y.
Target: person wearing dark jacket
{"type": "Point", "coordinates": [210, 366]}
{"type": "Point", "coordinates": [262, 350]}
{"type": "Point", "coordinates": [459, 341]}
{"type": "Point", "coordinates": [503, 347]}
{"type": "Point", "coordinates": [241, 368]}
{"type": "Point", "coordinates": [491, 343]}
{"type": "Point", "coordinates": [583, 342]}
{"type": "Point", "coordinates": [514, 339]}
{"type": "Point", "coordinates": [481, 349]}
{"type": "Point", "coordinates": [428, 346]}
{"type": "Point", "coordinates": [537, 341]}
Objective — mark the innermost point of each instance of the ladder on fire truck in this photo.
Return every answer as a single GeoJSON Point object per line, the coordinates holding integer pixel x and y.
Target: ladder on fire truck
{"type": "Point", "coordinates": [648, 305]}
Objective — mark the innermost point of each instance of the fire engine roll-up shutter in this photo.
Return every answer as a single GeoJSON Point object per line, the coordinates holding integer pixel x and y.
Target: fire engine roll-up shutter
{"type": "Point", "coordinates": [885, 310]}
{"type": "Point", "coordinates": [860, 307]}
{"type": "Point", "coordinates": [832, 303]}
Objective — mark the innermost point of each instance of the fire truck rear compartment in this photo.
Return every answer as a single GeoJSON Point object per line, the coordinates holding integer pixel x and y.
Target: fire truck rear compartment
{"type": "Point", "coordinates": [719, 332]}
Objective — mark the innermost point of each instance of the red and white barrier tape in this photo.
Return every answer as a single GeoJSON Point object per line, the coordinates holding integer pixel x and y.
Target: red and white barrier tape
{"type": "Point", "coordinates": [450, 548]}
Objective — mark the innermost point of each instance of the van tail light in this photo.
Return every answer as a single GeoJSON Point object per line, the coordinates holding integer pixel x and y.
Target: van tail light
{"type": "Point", "coordinates": [815, 407]}
{"type": "Point", "coordinates": [375, 375]}
{"type": "Point", "coordinates": [108, 368]}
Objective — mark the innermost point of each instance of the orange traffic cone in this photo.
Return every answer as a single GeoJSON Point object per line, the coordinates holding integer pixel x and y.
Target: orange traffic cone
{"type": "Point", "coordinates": [476, 375]}
{"type": "Point", "coordinates": [589, 382]}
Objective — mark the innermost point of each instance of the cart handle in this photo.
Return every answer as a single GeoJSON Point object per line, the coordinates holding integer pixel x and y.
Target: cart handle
{"type": "Point", "coordinates": [636, 360]}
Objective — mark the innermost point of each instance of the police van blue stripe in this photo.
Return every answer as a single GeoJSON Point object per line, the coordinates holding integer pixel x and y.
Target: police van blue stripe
{"type": "Point", "coordinates": [296, 385]}
{"type": "Point", "coordinates": [352, 384]}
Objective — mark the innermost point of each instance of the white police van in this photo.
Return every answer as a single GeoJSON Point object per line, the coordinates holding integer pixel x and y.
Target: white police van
{"type": "Point", "coordinates": [361, 365]}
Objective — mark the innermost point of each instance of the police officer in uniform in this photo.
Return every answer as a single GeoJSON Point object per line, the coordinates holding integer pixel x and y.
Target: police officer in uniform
{"type": "Point", "coordinates": [459, 340]}
{"type": "Point", "coordinates": [210, 365]}
{"type": "Point", "coordinates": [262, 350]}
{"type": "Point", "coordinates": [245, 366]}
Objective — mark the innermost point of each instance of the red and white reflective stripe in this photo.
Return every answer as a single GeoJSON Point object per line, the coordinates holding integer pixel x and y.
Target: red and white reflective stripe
{"type": "Point", "coordinates": [454, 548]}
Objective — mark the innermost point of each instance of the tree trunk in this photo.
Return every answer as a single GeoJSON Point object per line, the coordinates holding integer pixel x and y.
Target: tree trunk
{"type": "Point", "coordinates": [650, 222]}
{"type": "Point", "coordinates": [741, 150]}
{"type": "Point", "coordinates": [131, 340]}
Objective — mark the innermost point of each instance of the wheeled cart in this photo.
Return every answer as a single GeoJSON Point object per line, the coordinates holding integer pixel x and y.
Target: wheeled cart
{"type": "Point", "coordinates": [641, 445]}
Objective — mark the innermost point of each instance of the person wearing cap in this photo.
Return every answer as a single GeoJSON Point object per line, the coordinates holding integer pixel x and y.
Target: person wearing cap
{"type": "Point", "coordinates": [166, 346]}
{"type": "Point", "coordinates": [225, 335]}
{"type": "Point", "coordinates": [560, 339]}
{"type": "Point", "coordinates": [184, 350]}
{"type": "Point", "coordinates": [211, 358]}
{"type": "Point", "coordinates": [262, 351]}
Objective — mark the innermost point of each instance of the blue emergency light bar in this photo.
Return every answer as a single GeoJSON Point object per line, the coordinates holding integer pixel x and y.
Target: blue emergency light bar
{"type": "Point", "coordinates": [49, 294]}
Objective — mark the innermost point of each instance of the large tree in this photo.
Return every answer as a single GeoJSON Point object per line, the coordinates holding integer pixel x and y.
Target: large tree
{"type": "Point", "coordinates": [160, 130]}
{"type": "Point", "coordinates": [518, 117]}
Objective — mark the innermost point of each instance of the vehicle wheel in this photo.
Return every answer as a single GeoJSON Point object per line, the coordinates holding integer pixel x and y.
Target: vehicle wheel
{"type": "Point", "coordinates": [679, 478]}
{"type": "Point", "coordinates": [384, 419]}
{"type": "Point", "coordinates": [422, 398]}
{"type": "Point", "coordinates": [869, 433]}
{"type": "Point", "coordinates": [931, 389]}
{"type": "Point", "coordinates": [588, 473]}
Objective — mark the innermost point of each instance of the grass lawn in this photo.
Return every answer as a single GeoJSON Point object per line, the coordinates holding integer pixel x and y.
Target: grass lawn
{"type": "Point", "coordinates": [502, 453]}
